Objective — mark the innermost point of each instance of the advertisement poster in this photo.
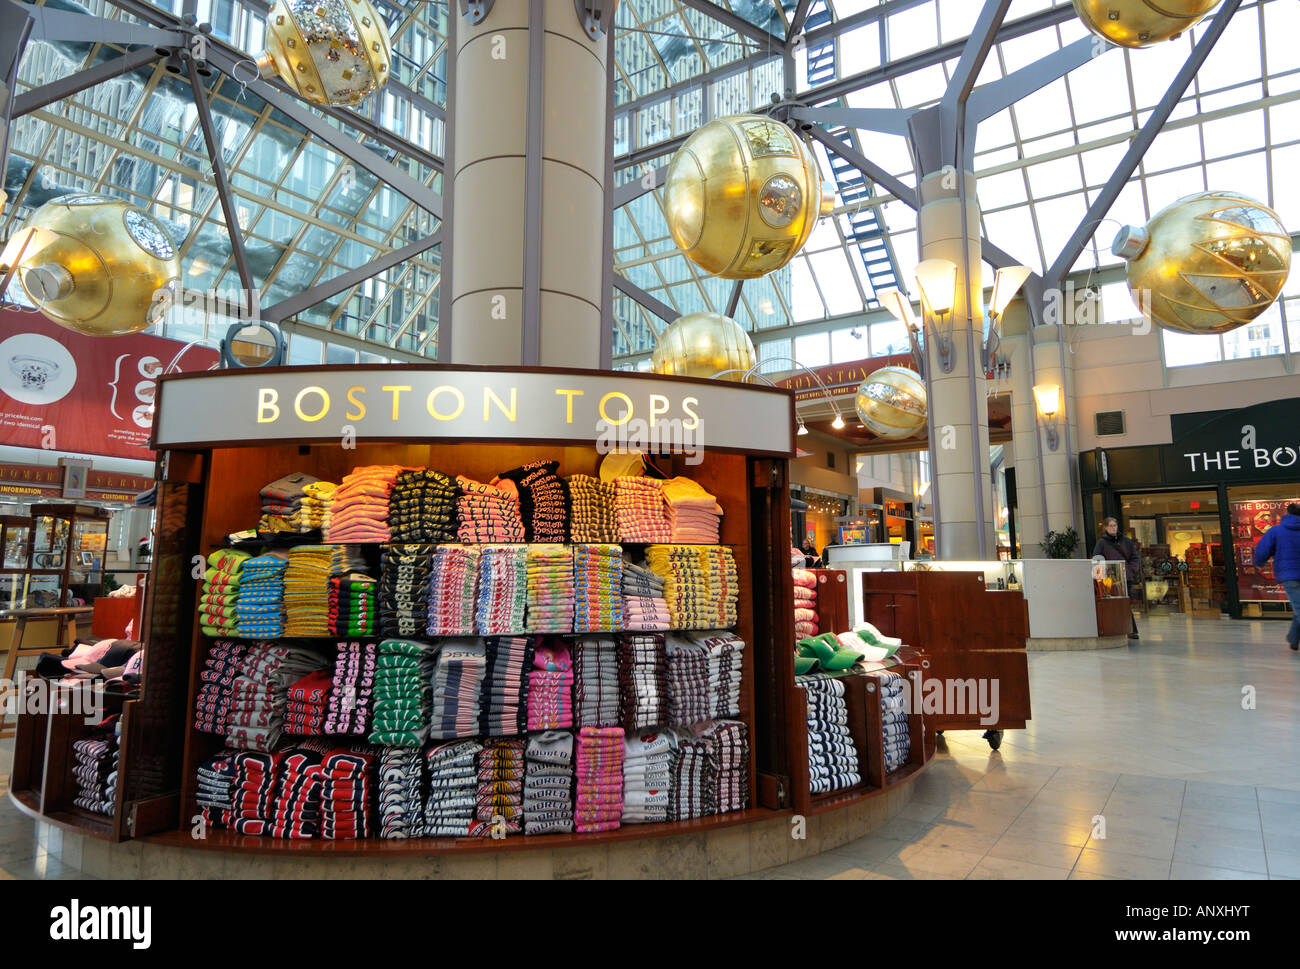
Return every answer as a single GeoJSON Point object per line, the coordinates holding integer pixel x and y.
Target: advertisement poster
{"type": "Point", "coordinates": [60, 390]}
{"type": "Point", "coordinates": [1250, 520]}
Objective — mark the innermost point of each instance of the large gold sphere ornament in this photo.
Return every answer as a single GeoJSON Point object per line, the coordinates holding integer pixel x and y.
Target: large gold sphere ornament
{"type": "Point", "coordinates": [1209, 263]}
{"type": "Point", "coordinates": [329, 51]}
{"type": "Point", "coordinates": [1141, 23]}
{"type": "Point", "coordinates": [95, 264]}
{"type": "Point", "coordinates": [891, 403]}
{"type": "Point", "coordinates": [742, 196]}
{"type": "Point", "coordinates": [701, 345]}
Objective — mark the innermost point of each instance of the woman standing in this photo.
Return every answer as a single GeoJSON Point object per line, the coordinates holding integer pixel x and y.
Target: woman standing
{"type": "Point", "coordinates": [1120, 548]}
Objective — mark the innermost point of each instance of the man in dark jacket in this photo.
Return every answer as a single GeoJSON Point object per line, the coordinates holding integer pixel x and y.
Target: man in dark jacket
{"type": "Point", "coordinates": [1281, 543]}
{"type": "Point", "coordinates": [1120, 548]}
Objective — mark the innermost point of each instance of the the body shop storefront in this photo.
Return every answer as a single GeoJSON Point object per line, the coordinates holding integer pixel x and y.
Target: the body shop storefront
{"type": "Point", "coordinates": [1199, 506]}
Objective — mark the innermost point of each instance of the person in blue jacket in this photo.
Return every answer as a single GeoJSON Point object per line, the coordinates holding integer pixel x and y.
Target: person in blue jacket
{"type": "Point", "coordinates": [1281, 543]}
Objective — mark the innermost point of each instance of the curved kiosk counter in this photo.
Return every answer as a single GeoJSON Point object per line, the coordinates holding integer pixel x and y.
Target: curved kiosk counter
{"type": "Point", "coordinates": [222, 436]}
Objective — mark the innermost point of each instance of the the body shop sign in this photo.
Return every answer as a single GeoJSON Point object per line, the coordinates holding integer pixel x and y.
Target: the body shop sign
{"type": "Point", "coordinates": [1260, 443]}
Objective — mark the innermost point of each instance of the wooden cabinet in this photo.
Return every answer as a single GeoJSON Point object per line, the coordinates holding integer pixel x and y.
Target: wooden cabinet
{"type": "Point", "coordinates": [974, 638]}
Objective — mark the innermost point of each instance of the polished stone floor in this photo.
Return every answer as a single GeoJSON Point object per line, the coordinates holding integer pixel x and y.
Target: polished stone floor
{"type": "Point", "coordinates": [1176, 758]}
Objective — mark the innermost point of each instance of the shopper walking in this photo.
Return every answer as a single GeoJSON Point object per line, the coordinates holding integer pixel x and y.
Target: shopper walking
{"type": "Point", "coordinates": [1120, 548]}
{"type": "Point", "coordinates": [1281, 543]}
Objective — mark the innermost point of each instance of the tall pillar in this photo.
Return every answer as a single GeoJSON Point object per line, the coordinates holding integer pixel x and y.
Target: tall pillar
{"type": "Point", "coordinates": [529, 88]}
{"type": "Point", "coordinates": [1031, 527]}
{"type": "Point", "coordinates": [1059, 466]}
{"type": "Point", "coordinates": [958, 400]}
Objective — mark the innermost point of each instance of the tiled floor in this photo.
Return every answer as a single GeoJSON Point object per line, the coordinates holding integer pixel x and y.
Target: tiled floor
{"type": "Point", "coordinates": [1151, 746]}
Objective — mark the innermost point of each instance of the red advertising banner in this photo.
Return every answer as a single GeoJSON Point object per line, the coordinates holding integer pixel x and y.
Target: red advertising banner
{"type": "Point", "coordinates": [1250, 520]}
{"type": "Point", "coordinates": [60, 390]}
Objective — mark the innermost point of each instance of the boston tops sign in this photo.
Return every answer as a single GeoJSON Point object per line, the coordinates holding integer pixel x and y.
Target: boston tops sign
{"type": "Point", "coordinates": [416, 402]}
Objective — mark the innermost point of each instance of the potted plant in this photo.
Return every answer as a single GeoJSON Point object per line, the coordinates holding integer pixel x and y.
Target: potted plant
{"type": "Point", "coordinates": [1060, 545]}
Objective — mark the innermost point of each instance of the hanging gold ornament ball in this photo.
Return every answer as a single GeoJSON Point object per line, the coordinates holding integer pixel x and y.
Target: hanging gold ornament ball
{"type": "Point", "coordinates": [1209, 263]}
{"type": "Point", "coordinates": [95, 264]}
{"type": "Point", "coordinates": [742, 196]}
{"type": "Point", "coordinates": [891, 403]}
{"type": "Point", "coordinates": [701, 345]}
{"type": "Point", "coordinates": [1141, 23]}
{"type": "Point", "coordinates": [329, 51]}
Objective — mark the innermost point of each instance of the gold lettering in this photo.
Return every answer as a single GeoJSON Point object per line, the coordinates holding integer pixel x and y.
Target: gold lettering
{"type": "Point", "coordinates": [490, 396]}
{"type": "Point", "coordinates": [325, 403]}
{"type": "Point", "coordinates": [266, 401]}
{"type": "Point", "coordinates": [688, 405]}
{"type": "Point", "coordinates": [433, 395]}
{"type": "Point", "coordinates": [658, 405]}
{"type": "Point", "coordinates": [568, 403]}
{"type": "Point", "coordinates": [360, 405]}
{"type": "Point", "coordinates": [396, 391]}
{"type": "Point", "coordinates": [627, 415]}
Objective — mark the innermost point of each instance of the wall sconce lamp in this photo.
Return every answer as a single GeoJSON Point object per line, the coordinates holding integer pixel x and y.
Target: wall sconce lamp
{"type": "Point", "coordinates": [1047, 397]}
{"type": "Point", "coordinates": [937, 280]}
{"type": "Point", "coordinates": [1006, 284]}
{"type": "Point", "coordinates": [900, 308]}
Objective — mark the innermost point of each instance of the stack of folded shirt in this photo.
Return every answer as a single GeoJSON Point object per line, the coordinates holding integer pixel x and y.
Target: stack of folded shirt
{"type": "Point", "coordinates": [598, 588]}
{"type": "Point", "coordinates": [307, 703]}
{"type": "Point", "coordinates": [543, 500]}
{"type": "Point", "coordinates": [550, 686]}
{"type": "Point", "coordinates": [282, 503]}
{"type": "Point", "coordinates": [644, 605]}
{"type": "Point", "coordinates": [595, 682]}
{"type": "Point", "coordinates": [453, 788]}
{"type": "Point", "coordinates": [306, 590]}
{"type": "Point", "coordinates": [550, 589]}
{"type": "Point", "coordinates": [216, 788]}
{"type": "Point", "coordinates": [503, 697]}
{"type": "Point", "coordinates": [404, 590]}
{"type": "Point", "coordinates": [726, 665]}
{"type": "Point", "coordinates": [700, 584]}
{"type": "Point", "coordinates": [728, 763]}
{"type": "Point", "coordinates": [687, 666]}
{"type": "Point", "coordinates": [353, 605]}
{"type": "Point", "coordinates": [216, 686]}
{"type": "Point", "coordinates": [832, 756]}
{"type": "Point", "coordinates": [500, 795]}
{"type": "Point", "coordinates": [255, 779]}
{"type": "Point", "coordinates": [457, 684]}
{"type": "Point", "coordinates": [502, 600]}
{"type": "Point", "coordinates": [648, 757]}
{"type": "Point", "coordinates": [260, 609]}
{"type": "Point", "coordinates": [347, 795]}
{"type": "Point", "coordinates": [805, 604]}
{"type": "Point", "coordinates": [640, 510]}
{"type": "Point", "coordinates": [220, 593]}
{"type": "Point", "coordinates": [359, 508]}
{"type": "Point", "coordinates": [453, 579]}
{"type": "Point", "coordinates": [591, 510]}
{"type": "Point", "coordinates": [895, 730]}
{"type": "Point", "coordinates": [694, 515]}
{"type": "Point", "coordinates": [296, 807]}
{"type": "Point", "coordinates": [487, 514]}
{"type": "Point", "coordinates": [599, 779]}
{"type": "Point", "coordinates": [422, 507]}
{"type": "Point", "coordinates": [316, 501]}
{"type": "Point", "coordinates": [548, 783]}
{"type": "Point", "coordinates": [401, 782]}
{"type": "Point", "coordinates": [352, 689]}
{"type": "Point", "coordinates": [255, 717]}
{"type": "Point", "coordinates": [692, 789]}
{"type": "Point", "coordinates": [95, 768]}
{"type": "Point", "coordinates": [399, 712]}
{"type": "Point", "coordinates": [642, 681]}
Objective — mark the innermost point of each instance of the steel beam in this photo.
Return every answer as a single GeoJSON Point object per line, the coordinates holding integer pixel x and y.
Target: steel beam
{"type": "Point", "coordinates": [224, 192]}
{"type": "Point", "coordinates": [51, 23]}
{"type": "Point", "coordinates": [974, 53]}
{"type": "Point", "coordinates": [733, 301]}
{"type": "Point", "coordinates": [739, 24]}
{"type": "Point", "coordinates": [859, 161]}
{"type": "Point", "coordinates": [16, 26]}
{"type": "Point", "coordinates": [993, 97]}
{"type": "Point", "coordinates": [1133, 157]}
{"type": "Point", "coordinates": [66, 87]}
{"type": "Point", "coordinates": [637, 187]}
{"type": "Point", "coordinates": [655, 306]}
{"type": "Point", "coordinates": [889, 121]}
{"type": "Point", "coordinates": [797, 20]}
{"type": "Point", "coordinates": [323, 290]}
